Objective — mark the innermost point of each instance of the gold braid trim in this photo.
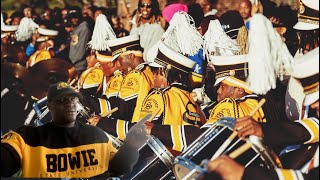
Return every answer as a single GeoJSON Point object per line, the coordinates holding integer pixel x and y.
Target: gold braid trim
{"type": "Point", "coordinates": [242, 40]}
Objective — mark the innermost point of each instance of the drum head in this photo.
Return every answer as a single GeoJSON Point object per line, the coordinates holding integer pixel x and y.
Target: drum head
{"type": "Point", "coordinates": [181, 171]}
{"type": "Point", "coordinates": [184, 167]}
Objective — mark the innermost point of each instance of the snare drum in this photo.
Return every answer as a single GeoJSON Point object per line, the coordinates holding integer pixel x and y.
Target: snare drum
{"type": "Point", "coordinates": [209, 142]}
{"type": "Point", "coordinates": [155, 162]}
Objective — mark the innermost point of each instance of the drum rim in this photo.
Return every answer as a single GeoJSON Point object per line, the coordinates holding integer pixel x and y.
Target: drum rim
{"type": "Point", "coordinates": [258, 146]}
{"type": "Point", "coordinates": [161, 151]}
{"type": "Point", "coordinates": [179, 160]}
{"type": "Point", "coordinates": [211, 130]}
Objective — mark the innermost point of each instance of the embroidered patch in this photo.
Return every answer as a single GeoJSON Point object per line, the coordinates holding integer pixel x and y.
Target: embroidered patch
{"type": "Point", "coordinates": [153, 102]}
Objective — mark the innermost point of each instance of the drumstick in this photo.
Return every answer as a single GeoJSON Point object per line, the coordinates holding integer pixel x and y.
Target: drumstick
{"type": "Point", "coordinates": [240, 150]}
{"type": "Point", "coordinates": [154, 114]}
{"type": "Point", "coordinates": [72, 82]}
{"type": "Point", "coordinates": [224, 145]}
{"type": "Point", "coordinates": [235, 133]}
{"type": "Point", "coordinates": [232, 155]}
{"type": "Point", "coordinates": [110, 112]}
{"type": "Point", "coordinates": [262, 101]}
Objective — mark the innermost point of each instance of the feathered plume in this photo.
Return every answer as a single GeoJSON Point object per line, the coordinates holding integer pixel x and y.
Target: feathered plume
{"type": "Point", "coordinates": [25, 29]}
{"type": "Point", "coordinates": [101, 33]}
{"type": "Point", "coordinates": [182, 34]}
{"type": "Point", "coordinates": [218, 42]}
{"type": "Point", "coordinates": [268, 56]}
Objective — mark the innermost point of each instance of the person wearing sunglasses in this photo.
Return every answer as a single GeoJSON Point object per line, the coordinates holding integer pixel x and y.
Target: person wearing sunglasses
{"type": "Point", "coordinates": [148, 23]}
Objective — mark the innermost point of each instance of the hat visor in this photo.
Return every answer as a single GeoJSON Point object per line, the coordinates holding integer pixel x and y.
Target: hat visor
{"type": "Point", "coordinates": [68, 93]}
{"type": "Point", "coordinates": [305, 26]}
{"type": "Point", "coordinates": [115, 57]}
{"type": "Point", "coordinates": [219, 80]}
{"type": "Point", "coordinates": [41, 39]}
{"type": "Point", "coordinates": [311, 98]}
{"type": "Point", "coordinates": [3, 35]}
{"type": "Point", "coordinates": [154, 64]}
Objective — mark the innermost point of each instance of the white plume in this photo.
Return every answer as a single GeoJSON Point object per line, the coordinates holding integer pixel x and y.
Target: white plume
{"type": "Point", "coordinates": [268, 56]}
{"type": "Point", "coordinates": [25, 29]}
{"type": "Point", "coordinates": [182, 35]}
{"type": "Point", "coordinates": [218, 42]}
{"type": "Point", "coordinates": [101, 34]}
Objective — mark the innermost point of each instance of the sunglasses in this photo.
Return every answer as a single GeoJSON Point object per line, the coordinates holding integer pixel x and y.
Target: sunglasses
{"type": "Point", "coordinates": [146, 5]}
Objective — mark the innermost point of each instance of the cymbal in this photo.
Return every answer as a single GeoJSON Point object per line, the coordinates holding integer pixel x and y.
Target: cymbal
{"type": "Point", "coordinates": [48, 72]}
{"type": "Point", "coordinates": [15, 76]}
{"type": "Point", "coordinates": [15, 70]}
{"type": "Point", "coordinates": [13, 53]}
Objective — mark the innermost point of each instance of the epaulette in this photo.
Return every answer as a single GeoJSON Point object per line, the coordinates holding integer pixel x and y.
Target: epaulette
{"type": "Point", "coordinates": [133, 71]}
{"type": "Point", "coordinates": [140, 67]}
{"type": "Point", "coordinates": [178, 85]}
{"type": "Point", "coordinates": [94, 77]}
{"type": "Point", "coordinates": [117, 72]}
{"type": "Point", "coordinates": [165, 89]}
{"type": "Point", "coordinates": [244, 98]}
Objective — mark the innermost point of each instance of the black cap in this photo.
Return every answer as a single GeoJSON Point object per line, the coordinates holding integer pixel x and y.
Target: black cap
{"type": "Point", "coordinates": [60, 90]}
{"type": "Point", "coordinates": [75, 12]}
{"type": "Point", "coordinates": [66, 22]}
{"type": "Point", "coordinates": [231, 22]}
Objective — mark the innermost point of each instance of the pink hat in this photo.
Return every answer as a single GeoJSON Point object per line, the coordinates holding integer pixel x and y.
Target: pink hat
{"type": "Point", "coordinates": [171, 9]}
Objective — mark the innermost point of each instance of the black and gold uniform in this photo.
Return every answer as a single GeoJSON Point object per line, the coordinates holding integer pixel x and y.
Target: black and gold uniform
{"type": "Point", "coordinates": [50, 151]}
{"type": "Point", "coordinates": [135, 87]}
{"type": "Point", "coordinates": [91, 81]}
{"type": "Point", "coordinates": [176, 106]}
{"type": "Point", "coordinates": [90, 86]}
{"type": "Point", "coordinates": [138, 79]}
{"type": "Point", "coordinates": [110, 93]}
{"type": "Point", "coordinates": [236, 108]}
{"type": "Point", "coordinates": [131, 93]}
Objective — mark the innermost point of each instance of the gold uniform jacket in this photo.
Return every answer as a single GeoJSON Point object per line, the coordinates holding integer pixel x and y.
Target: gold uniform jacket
{"type": "Point", "coordinates": [56, 152]}
{"type": "Point", "coordinates": [177, 109]}
{"type": "Point", "coordinates": [91, 81]}
{"type": "Point", "coordinates": [132, 91]}
{"type": "Point", "coordinates": [90, 86]}
{"type": "Point", "coordinates": [236, 108]}
{"type": "Point", "coordinates": [176, 106]}
{"type": "Point", "coordinates": [38, 56]}
{"type": "Point", "coordinates": [135, 87]}
{"type": "Point", "coordinates": [110, 93]}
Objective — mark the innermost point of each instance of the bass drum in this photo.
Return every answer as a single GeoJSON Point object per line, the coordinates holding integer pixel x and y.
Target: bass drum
{"type": "Point", "coordinates": [209, 142]}
{"type": "Point", "coordinates": [155, 162]}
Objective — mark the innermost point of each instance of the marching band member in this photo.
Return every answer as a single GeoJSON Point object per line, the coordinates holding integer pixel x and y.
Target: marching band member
{"type": "Point", "coordinates": [174, 100]}
{"type": "Point", "coordinates": [306, 131]}
{"type": "Point", "coordinates": [136, 83]}
{"type": "Point", "coordinates": [94, 83]}
{"type": "Point", "coordinates": [45, 45]}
